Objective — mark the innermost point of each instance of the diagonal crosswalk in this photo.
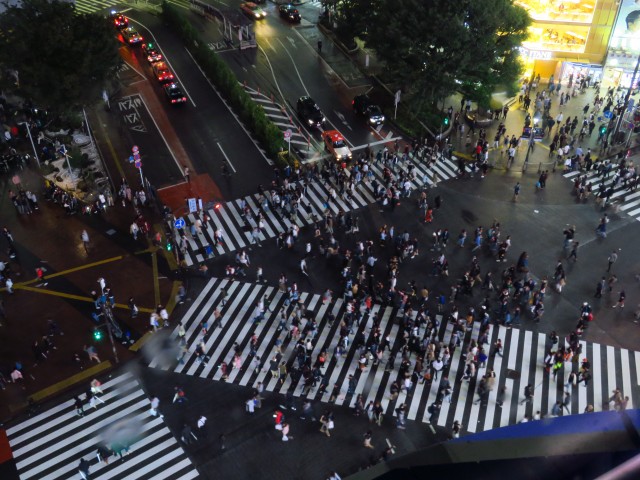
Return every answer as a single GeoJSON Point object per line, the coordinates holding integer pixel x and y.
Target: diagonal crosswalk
{"type": "Point", "coordinates": [628, 199]}
{"type": "Point", "coordinates": [522, 362]}
{"type": "Point", "coordinates": [51, 444]}
{"type": "Point", "coordinates": [228, 217]}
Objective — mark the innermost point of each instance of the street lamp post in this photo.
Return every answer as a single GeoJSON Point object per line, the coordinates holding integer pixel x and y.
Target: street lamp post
{"type": "Point", "coordinates": [33, 145]}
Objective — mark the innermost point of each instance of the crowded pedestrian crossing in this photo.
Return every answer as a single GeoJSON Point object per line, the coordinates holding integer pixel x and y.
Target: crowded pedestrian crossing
{"type": "Point", "coordinates": [228, 218]}
{"type": "Point", "coordinates": [624, 198]}
{"type": "Point", "coordinates": [51, 444]}
{"type": "Point", "coordinates": [521, 364]}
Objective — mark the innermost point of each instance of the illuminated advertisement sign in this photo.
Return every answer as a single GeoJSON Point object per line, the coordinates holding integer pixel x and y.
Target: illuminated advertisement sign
{"type": "Point", "coordinates": [626, 32]}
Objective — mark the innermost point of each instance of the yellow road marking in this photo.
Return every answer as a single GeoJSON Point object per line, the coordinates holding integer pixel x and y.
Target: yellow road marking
{"type": "Point", "coordinates": [112, 151]}
{"type": "Point", "coordinates": [67, 382]}
{"type": "Point", "coordinates": [156, 281]}
{"type": "Point", "coordinates": [73, 297]}
{"type": "Point", "coordinates": [71, 270]}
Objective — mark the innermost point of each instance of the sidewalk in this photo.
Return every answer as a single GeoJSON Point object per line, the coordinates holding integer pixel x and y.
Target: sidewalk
{"type": "Point", "coordinates": [50, 239]}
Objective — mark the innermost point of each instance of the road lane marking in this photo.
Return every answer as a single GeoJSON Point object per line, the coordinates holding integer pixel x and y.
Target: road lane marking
{"type": "Point", "coordinates": [227, 158]}
{"type": "Point", "coordinates": [267, 159]}
{"type": "Point", "coordinates": [161, 134]}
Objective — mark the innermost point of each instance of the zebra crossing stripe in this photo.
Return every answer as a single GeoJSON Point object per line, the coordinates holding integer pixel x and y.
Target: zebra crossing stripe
{"type": "Point", "coordinates": [50, 444]}
{"type": "Point", "coordinates": [228, 218]}
{"type": "Point", "coordinates": [524, 352]}
{"type": "Point", "coordinates": [628, 199]}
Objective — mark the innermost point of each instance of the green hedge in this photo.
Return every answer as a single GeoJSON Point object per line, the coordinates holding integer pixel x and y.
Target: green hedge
{"type": "Point", "coordinates": [253, 116]}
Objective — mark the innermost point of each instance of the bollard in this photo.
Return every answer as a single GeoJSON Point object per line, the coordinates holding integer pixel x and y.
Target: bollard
{"type": "Point", "coordinates": [258, 90]}
{"type": "Point", "coordinates": [272, 101]}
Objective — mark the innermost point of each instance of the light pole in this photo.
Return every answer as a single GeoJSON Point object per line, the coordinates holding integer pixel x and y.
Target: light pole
{"type": "Point", "coordinates": [35, 152]}
{"type": "Point", "coordinates": [108, 313]}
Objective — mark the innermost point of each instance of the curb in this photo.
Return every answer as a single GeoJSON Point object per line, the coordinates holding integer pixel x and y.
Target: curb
{"type": "Point", "coordinates": [63, 385]}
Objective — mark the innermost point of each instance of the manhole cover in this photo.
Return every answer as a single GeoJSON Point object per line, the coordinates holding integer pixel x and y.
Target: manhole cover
{"type": "Point", "coordinates": [512, 374]}
{"type": "Point", "coordinates": [111, 231]}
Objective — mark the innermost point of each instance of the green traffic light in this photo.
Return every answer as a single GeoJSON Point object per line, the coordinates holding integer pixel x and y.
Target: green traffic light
{"type": "Point", "coordinates": [169, 246]}
{"type": "Point", "coordinates": [446, 120]}
{"type": "Point", "coordinates": [97, 334]}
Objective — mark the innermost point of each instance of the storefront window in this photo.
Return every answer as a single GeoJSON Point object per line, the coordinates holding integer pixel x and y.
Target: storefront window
{"type": "Point", "coordinates": [559, 38]}
{"type": "Point", "coordinates": [570, 11]}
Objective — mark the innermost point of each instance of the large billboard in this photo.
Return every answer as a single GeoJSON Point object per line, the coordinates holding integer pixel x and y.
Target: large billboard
{"type": "Point", "coordinates": [626, 32]}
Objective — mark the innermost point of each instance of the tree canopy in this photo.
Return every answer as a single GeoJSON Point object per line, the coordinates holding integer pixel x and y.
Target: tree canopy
{"type": "Point", "coordinates": [62, 59]}
{"type": "Point", "coordinates": [437, 47]}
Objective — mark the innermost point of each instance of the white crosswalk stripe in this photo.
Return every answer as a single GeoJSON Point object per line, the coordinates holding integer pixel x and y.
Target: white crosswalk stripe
{"type": "Point", "coordinates": [626, 199]}
{"type": "Point", "coordinates": [92, 6]}
{"type": "Point", "coordinates": [280, 117]}
{"type": "Point", "coordinates": [522, 362]}
{"type": "Point", "coordinates": [228, 217]}
{"type": "Point", "coordinates": [51, 444]}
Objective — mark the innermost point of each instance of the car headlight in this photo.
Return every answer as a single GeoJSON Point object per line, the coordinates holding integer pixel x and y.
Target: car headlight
{"type": "Point", "coordinates": [372, 120]}
{"type": "Point", "coordinates": [382, 118]}
{"type": "Point", "coordinates": [310, 121]}
{"type": "Point", "coordinates": [324, 119]}
{"type": "Point", "coordinates": [349, 154]}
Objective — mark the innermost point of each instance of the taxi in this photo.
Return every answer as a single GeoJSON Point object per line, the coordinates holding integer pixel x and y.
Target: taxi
{"type": "Point", "coordinates": [334, 143]}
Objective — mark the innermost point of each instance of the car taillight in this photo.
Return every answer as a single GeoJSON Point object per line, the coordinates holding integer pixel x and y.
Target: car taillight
{"type": "Point", "coordinates": [184, 99]}
{"type": "Point", "coordinates": [173, 101]}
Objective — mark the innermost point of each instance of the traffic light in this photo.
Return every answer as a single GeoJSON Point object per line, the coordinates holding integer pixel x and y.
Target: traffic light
{"type": "Point", "coordinates": [603, 129]}
{"type": "Point", "coordinates": [169, 246]}
{"type": "Point", "coordinates": [97, 334]}
{"type": "Point", "coordinates": [446, 121]}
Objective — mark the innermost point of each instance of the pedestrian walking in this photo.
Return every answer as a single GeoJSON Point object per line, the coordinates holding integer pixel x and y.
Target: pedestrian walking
{"type": "Point", "coordinates": [103, 454]}
{"type": "Point", "coordinates": [600, 287]}
{"type": "Point", "coordinates": [327, 423]}
{"type": "Point", "coordinates": [613, 258]}
{"type": "Point", "coordinates": [319, 46]}
{"type": "Point", "coordinates": [621, 298]}
{"type": "Point", "coordinates": [78, 404]}
{"type": "Point", "coordinates": [285, 432]}
{"type": "Point", "coordinates": [85, 240]}
{"type": "Point", "coordinates": [367, 440]}
{"type": "Point", "coordinates": [83, 468]}
{"type": "Point", "coordinates": [455, 430]}
{"type": "Point", "coordinates": [574, 251]}
{"type": "Point", "coordinates": [187, 173]}
{"type": "Point", "coordinates": [91, 352]}
{"type": "Point", "coordinates": [179, 395]}
{"type": "Point", "coordinates": [96, 387]}
{"type": "Point", "coordinates": [516, 191]}
{"type": "Point", "coordinates": [528, 394]}
{"type": "Point", "coordinates": [155, 404]}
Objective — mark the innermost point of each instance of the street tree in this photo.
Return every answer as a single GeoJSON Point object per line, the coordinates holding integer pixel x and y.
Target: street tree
{"type": "Point", "coordinates": [54, 56]}
{"type": "Point", "coordinates": [432, 49]}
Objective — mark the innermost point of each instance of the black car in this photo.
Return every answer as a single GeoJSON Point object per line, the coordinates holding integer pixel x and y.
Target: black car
{"type": "Point", "coordinates": [174, 93]}
{"type": "Point", "coordinates": [363, 106]}
{"type": "Point", "coordinates": [289, 13]}
{"type": "Point", "coordinates": [309, 112]}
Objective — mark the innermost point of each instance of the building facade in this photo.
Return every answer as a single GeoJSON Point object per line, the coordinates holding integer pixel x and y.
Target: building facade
{"type": "Point", "coordinates": [624, 46]}
{"type": "Point", "coordinates": [568, 37]}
